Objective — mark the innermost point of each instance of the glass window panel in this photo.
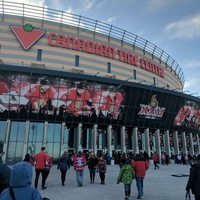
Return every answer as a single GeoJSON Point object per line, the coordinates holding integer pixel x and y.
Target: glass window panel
{"type": "Point", "coordinates": [77, 61]}
{"type": "Point", "coordinates": [35, 140]}
{"type": "Point", "coordinates": [3, 130]}
{"type": "Point", "coordinates": [39, 55]}
{"type": "Point", "coordinates": [54, 140]}
{"type": "Point", "coordinates": [66, 138]}
{"type": "Point", "coordinates": [16, 143]}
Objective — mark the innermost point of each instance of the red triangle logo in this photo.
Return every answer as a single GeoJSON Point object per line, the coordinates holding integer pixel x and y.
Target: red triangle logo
{"type": "Point", "coordinates": [27, 34]}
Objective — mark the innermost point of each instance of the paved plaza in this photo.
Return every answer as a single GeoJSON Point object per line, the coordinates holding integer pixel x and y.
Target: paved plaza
{"type": "Point", "coordinates": [158, 185]}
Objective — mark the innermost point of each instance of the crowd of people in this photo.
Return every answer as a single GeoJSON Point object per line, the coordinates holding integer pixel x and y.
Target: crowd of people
{"type": "Point", "coordinates": [132, 166]}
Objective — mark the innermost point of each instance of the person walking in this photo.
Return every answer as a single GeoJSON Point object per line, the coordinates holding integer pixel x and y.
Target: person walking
{"type": "Point", "coordinates": [140, 165]}
{"type": "Point", "coordinates": [28, 159]}
{"type": "Point", "coordinates": [155, 160]}
{"type": "Point", "coordinates": [194, 179]}
{"type": "Point", "coordinates": [20, 184]}
{"type": "Point", "coordinates": [92, 165]}
{"type": "Point", "coordinates": [102, 168]}
{"type": "Point", "coordinates": [126, 176]}
{"type": "Point", "coordinates": [40, 162]}
{"type": "Point", "coordinates": [5, 173]}
{"type": "Point", "coordinates": [47, 166]}
{"type": "Point", "coordinates": [64, 165]}
{"type": "Point", "coordinates": [79, 165]}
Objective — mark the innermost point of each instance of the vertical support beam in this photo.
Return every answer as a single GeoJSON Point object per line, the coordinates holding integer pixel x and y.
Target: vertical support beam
{"type": "Point", "coordinates": [135, 140]}
{"type": "Point", "coordinates": [176, 147]}
{"type": "Point", "coordinates": [79, 132]}
{"type": "Point", "coordinates": [157, 141]}
{"type": "Point", "coordinates": [62, 147]}
{"type": "Point", "coordinates": [167, 142]}
{"type": "Point", "coordinates": [184, 151]}
{"type": "Point", "coordinates": [147, 146]}
{"type": "Point", "coordinates": [109, 137]}
{"type": "Point", "coordinates": [7, 136]}
{"type": "Point", "coordinates": [94, 138]}
{"type": "Point", "coordinates": [191, 145]}
{"type": "Point", "coordinates": [45, 134]}
{"type": "Point", "coordinates": [122, 134]}
{"type": "Point", "coordinates": [26, 138]}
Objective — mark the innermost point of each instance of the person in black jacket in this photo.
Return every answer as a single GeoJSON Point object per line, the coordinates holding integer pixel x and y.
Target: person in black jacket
{"type": "Point", "coordinates": [92, 165]}
{"type": "Point", "coordinates": [5, 173]}
{"type": "Point", "coordinates": [64, 165]}
{"type": "Point", "coordinates": [194, 179]}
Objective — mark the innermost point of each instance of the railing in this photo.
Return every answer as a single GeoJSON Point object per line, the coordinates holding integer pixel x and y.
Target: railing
{"type": "Point", "coordinates": [46, 14]}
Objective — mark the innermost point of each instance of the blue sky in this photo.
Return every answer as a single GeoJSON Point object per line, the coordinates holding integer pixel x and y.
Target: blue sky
{"type": "Point", "coordinates": [172, 25]}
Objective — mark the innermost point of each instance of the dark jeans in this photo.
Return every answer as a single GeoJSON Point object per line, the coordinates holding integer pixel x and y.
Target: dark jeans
{"type": "Point", "coordinates": [127, 187]}
{"type": "Point", "coordinates": [46, 174]}
{"type": "Point", "coordinates": [79, 178]}
{"type": "Point", "coordinates": [139, 184]}
{"type": "Point", "coordinates": [63, 175]}
{"type": "Point", "coordinates": [92, 174]}
{"type": "Point", "coordinates": [37, 175]}
{"type": "Point", "coordinates": [102, 177]}
{"type": "Point", "coordinates": [155, 165]}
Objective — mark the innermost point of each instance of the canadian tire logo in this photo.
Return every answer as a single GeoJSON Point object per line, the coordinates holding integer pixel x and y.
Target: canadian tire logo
{"type": "Point", "coordinates": [27, 34]}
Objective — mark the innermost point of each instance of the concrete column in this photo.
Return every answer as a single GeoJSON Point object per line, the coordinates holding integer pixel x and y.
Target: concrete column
{"type": "Point", "coordinates": [26, 138]}
{"type": "Point", "coordinates": [191, 150]}
{"type": "Point", "coordinates": [45, 134]}
{"type": "Point", "coordinates": [147, 145]}
{"type": "Point", "coordinates": [176, 147]}
{"type": "Point", "coordinates": [79, 132]}
{"type": "Point", "coordinates": [122, 134]}
{"type": "Point", "coordinates": [109, 138]}
{"type": "Point", "coordinates": [135, 140]}
{"type": "Point", "coordinates": [62, 147]}
{"type": "Point", "coordinates": [157, 141]}
{"type": "Point", "coordinates": [167, 142]}
{"type": "Point", "coordinates": [7, 136]}
{"type": "Point", "coordinates": [94, 138]}
{"type": "Point", "coordinates": [184, 150]}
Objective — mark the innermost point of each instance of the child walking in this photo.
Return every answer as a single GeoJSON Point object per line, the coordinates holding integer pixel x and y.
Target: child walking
{"type": "Point", "coordinates": [126, 176]}
{"type": "Point", "coordinates": [102, 167]}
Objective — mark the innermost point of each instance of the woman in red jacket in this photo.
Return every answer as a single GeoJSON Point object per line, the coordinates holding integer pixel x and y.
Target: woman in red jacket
{"type": "Point", "coordinates": [155, 160]}
{"type": "Point", "coordinates": [140, 165]}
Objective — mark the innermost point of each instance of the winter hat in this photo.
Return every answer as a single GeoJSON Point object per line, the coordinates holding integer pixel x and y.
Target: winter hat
{"type": "Point", "coordinates": [21, 175]}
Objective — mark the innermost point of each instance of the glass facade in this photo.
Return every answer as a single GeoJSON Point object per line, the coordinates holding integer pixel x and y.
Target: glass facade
{"type": "Point", "coordinates": [45, 109]}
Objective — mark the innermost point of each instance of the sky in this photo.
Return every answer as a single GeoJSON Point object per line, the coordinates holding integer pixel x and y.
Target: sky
{"type": "Point", "coordinates": [172, 25]}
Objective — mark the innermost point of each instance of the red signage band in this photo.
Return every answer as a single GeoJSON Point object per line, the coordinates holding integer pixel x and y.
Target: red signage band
{"type": "Point", "coordinates": [70, 42]}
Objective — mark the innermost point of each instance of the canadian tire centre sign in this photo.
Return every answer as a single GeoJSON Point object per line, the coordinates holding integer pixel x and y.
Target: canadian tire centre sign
{"type": "Point", "coordinates": [28, 35]}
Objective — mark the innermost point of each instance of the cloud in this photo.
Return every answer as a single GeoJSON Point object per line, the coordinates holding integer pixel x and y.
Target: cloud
{"type": "Point", "coordinates": [192, 82]}
{"type": "Point", "coordinates": [154, 5]}
{"type": "Point", "coordinates": [88, 4]}
{"type": "Point", "coordinates": [193, 64]}
{"type": "Point", "coordinates": [186, 28]}
{"type": "Point", "coordinates": [110, 20]}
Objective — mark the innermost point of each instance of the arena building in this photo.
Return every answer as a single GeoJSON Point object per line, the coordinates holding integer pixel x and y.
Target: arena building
{"type": "Point", "coordinates": [73, 83]}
